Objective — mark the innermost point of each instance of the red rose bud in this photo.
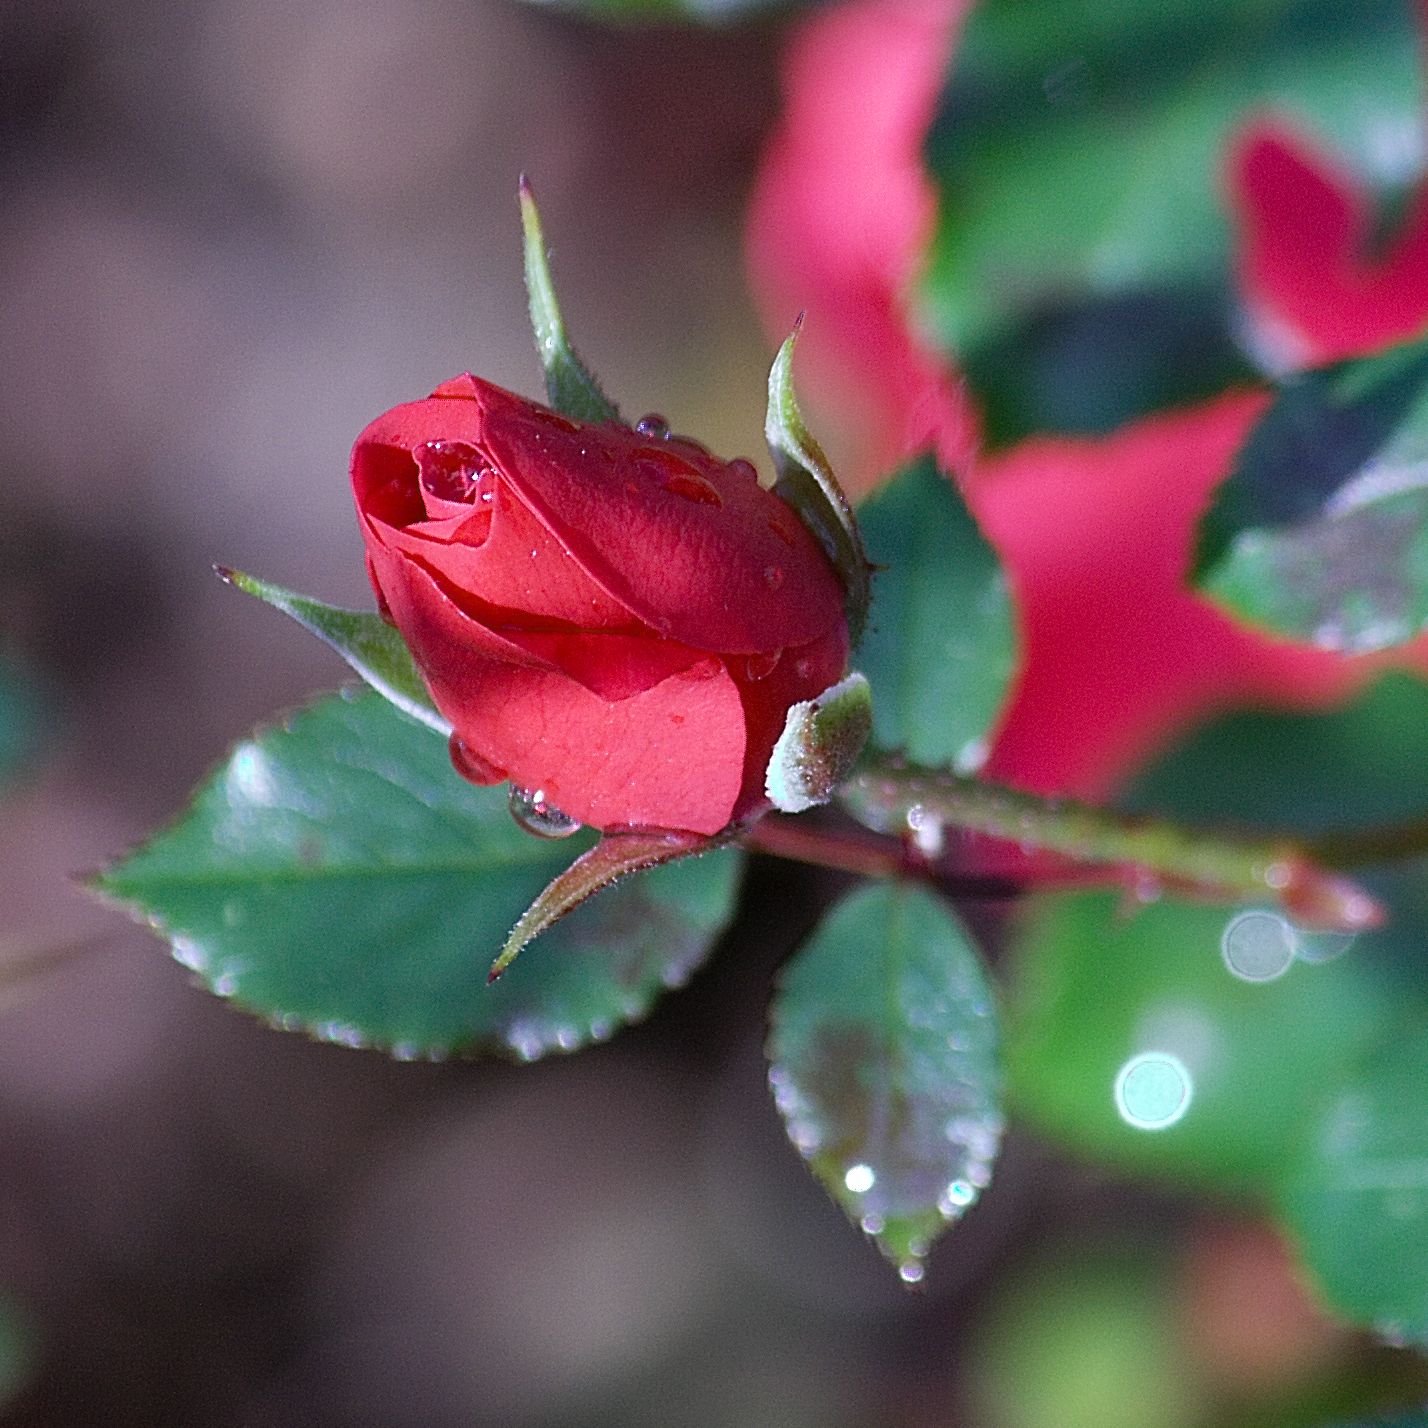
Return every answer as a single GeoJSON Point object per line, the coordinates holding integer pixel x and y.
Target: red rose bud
{"type": "Point", "coordinates": [614, 618]}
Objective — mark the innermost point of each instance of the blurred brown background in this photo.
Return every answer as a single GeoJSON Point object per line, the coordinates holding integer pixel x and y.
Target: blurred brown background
{"type": "Point", "coordinates": [232, 232]}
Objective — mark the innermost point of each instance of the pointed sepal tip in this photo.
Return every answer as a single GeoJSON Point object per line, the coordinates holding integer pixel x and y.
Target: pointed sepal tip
{"type": "Point", "coordinates": [805, 482]}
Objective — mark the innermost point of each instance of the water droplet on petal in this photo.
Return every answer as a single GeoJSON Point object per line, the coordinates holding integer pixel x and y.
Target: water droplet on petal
{"type": "Point", "coordinates": [744, 468]}
{"type": "Point", "coordinates": [760, 666]}
{"type": "Point", "coordinates": [454, 471]}
{"type": "Point", "coordinates": [530, 808]}
{"type": "Point", "coordinates": [773, 576]}
{"type": "Point", "coordinates": [654, 426]}
{"type": "Point", "coordinates": [471, 766]}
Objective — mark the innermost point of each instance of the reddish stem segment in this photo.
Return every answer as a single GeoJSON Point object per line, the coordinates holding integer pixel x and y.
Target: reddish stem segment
{"type": "Point", "coordinates": [920, 807]}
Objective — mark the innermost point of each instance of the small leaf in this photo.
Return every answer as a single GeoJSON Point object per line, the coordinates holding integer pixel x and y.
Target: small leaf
{"type": "Point", "coordinates": [1321, 531]}
{"type": "Point", "coordinates": [335, 875]}
{"type": "Point", "coordinates": [884, 1065]}
{"type": "Point", "coordinates": [941, 648]}
{"type": "Point", "coordinates": [819, 746]}
{"type": "Point", "coordinates": [805, 481]}
{"type": "Point", "coordinates": [569, 385]}
{"type": "Point", "coordinates": [371, 646]}
{"type": "Point", "coordinates": [615, 856]}
{"type": "Point", "coordinates": [1357, 1197]}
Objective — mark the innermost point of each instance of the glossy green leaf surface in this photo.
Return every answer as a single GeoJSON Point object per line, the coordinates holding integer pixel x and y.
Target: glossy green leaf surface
{"type": "Point", "coordinates": [1357, 1197]}
{"type": "Point", "coordinates": [1167, 1038]}
{"type": "Point", "coordinates": [1078, 157]}
{"type": "Point", "coordinates": [883, 1055]}
{"type": "Point", "coordinates": [336, 875]}
{"type": "Point", "coordinates": [371, 646]}
{"type": "Point", "coordinates": [941, 646]}
{"type": "Point", "coordinates": [1361, 766]}
{"type": "Point", "coordinates": [1321, 531]}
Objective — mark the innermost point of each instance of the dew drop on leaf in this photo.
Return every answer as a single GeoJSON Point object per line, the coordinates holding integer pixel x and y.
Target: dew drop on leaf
{"type": "Point", "coordinates": [533, 812]}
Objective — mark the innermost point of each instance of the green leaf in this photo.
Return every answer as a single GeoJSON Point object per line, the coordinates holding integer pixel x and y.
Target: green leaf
{"type": "Point", "coordinates": [1321, 531]}
{"type": "Point", "coordinates": [336, 875]}
{"type": "Point", "coordinates": [1168, 1038]}
{"type": "Point", "coordinates": [366, 641]}
{"type": "Point", "coordinates": [1357, 1198]}
{"type": "Point", "coordinates": [1360, 767]}
{"type": "Point", "coordinates": [884, 1065]}
{"type": "Point", "coordinates": [569, 385]}
{"type": "Point", "coordinates": [807, 484]}
{"type": "Point", "coordinates": [1078, 154]}
{"type": "Point", "coordinates": [941, 649]}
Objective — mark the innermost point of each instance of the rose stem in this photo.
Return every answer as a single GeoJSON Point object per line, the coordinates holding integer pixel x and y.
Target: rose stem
{"type": "Point", "coordinates": [892, 797]}
{"type": "Point", "coordinates": [849, 849]}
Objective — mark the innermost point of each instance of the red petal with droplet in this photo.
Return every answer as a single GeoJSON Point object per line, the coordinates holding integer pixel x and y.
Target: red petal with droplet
{"type": "Point", "coordinates": [680, 539]}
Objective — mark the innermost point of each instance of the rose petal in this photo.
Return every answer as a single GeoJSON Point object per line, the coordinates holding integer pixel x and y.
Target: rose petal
{"type": "Point", "coordinates": [614, 666]}
{"type": "Point", "coordinates": [693, 547]}
{"type": "Point", "coordinates": [519, 566]}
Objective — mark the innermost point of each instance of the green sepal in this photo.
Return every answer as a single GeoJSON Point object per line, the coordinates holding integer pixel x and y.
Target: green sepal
{"type": "Point", "coordinates": [569, 384]}
{"type": "Point", "coordinates": [805, 481]}
{"type": "Point", "coordinates": [366, 641]}
{"type": "Point", "coordinates": [615, 856]}
{"type": "Point", "coordinates": [819, 746]}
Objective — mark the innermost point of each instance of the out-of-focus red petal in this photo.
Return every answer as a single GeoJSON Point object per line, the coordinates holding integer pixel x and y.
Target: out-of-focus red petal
{"type": "Point", "coordinates": [840, 217]}
{"type": "Point", "coordinates": [1312, 287]}
{"type": "Point", "coordinates": [1119, 653]}
{"type": "Point", "coordinates": [691, 546]}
